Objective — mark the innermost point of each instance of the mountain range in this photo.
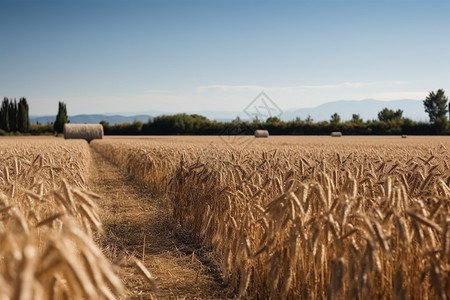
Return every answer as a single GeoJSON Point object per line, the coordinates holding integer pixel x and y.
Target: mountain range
{"type": "Point", "coordinates": [367, 109]}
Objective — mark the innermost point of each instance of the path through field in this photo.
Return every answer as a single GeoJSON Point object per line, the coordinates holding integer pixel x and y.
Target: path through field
{"type": "Point", "coordinates": [133, 220]}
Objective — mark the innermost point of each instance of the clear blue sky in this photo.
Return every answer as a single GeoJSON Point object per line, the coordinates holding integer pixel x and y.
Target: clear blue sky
{"type": "Point", "coordinates": [175, 56]}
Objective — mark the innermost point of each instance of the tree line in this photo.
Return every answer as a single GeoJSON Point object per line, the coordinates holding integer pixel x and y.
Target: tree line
{"type": "Point", "coordinates": [14, 116]}
{"type": "Point", "coordinates": [389, 122]}
{"type": "Point", "coordinates": [15, 119]}
{"type": "Point", "coordinates": [185, 124]}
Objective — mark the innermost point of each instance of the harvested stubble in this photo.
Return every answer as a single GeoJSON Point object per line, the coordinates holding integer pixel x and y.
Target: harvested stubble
{"type": "Point", "coordinates": [311, 222]}
{"type": "Point", "coordinates": [46, 224]}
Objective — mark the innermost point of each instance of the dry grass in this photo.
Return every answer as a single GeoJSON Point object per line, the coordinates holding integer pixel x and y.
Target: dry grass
{"type": "Point", "coordinates": [311, 217]}
{"type": "Point", "coordinates": [47, 219]}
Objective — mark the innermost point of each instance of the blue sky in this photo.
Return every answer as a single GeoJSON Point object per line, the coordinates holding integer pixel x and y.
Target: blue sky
{"type": "Point", "coordinates": [177, 56]}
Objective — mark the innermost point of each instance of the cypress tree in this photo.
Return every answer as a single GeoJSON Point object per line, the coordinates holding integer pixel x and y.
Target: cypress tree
{"type": "Point", "coordinates": [4, 115]}
{"type": "Point", "coordinates": [61, 118]}
{"type": "Point", "coordinates": [23, 120]}
{"type": "Point", "coordinates": [13, 115]}
{"type": "Point", "coordinates": [27, 115]}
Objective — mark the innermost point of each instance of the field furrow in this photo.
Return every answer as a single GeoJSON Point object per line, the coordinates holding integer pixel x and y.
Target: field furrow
{"type": "Point", "coordinates": [138, 225]}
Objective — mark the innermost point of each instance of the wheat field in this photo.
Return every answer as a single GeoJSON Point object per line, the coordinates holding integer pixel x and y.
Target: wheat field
{"type": "Point", "coordinates": [48, 219]}
{"type": "Point", "coordinates": [308, 217]}
{"type": "Point", "coordinates": [284, 217]}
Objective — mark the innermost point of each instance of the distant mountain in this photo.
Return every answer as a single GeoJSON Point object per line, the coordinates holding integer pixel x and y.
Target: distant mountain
{"type": "Point", "coordinates": [97, 118]}
{"type": "Point", "coordinates": [367, 109]}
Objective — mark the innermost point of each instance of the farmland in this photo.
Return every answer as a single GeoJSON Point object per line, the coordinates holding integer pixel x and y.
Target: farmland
{"type": "Point", "coordinates": [283, 217]}
{"type": "Point", "coordinates": [48, 221]}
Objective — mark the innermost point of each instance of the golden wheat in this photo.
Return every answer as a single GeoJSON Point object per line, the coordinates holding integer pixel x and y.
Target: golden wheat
{"type": "Point", "coordinates": [329, 218]}
{"type": "Point", "coordinates": [46, 224]}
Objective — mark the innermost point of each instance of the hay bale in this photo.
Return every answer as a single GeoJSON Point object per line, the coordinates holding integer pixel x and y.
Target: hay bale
{"type": "Point", "coordinates": [336, 134]}
{"type": "Point", "coordinates": [261, 134]}
{"type": "Point", "coordinates": [404, 136]}
{"type": "Point", "coordinates": [87, 132]}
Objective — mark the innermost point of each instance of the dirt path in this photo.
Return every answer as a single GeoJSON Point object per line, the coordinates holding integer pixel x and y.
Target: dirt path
{"type": "Point", "coordinates": [138, 224]}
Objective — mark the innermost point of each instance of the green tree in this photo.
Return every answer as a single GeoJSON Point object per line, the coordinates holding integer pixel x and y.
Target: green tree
{"type": "Point", "coordinates": [273, 120]}
{"type": "Point", "coordinates": [356, 119]}
{"type": "Point", "coordinates": [436, 106]}
{"type": "Point", "coordinates": [256, 123]}
{"type": "Point", "coordinates": [23, 120]}
{"type": "Point", "coordinates": [335, 119]}
{"type": "Point", "coordinates": [61, 118]}
{"type": "Point", "coordinates": [4, 115]}
{"type": "Point", "coordinates": [237, 120]}
{"type": "Point", "coordinates": [388, 114]}
{"type": "Point", "coordinates": [12, 114]}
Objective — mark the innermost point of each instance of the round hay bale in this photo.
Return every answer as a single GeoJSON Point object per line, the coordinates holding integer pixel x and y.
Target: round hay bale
{"type": "Point", "coordinates": [261, 133]}
{"type": "Point", "coordinates": [87, 132]}
{"type": "Point", "coordinates": [336, 134]}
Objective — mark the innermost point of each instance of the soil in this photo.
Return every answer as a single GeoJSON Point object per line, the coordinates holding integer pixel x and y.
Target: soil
{"type": "Point", "coordinates": [138, 225]}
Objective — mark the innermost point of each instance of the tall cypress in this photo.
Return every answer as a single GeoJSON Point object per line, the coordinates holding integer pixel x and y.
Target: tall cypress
{"type": "Point", "coordinates": [61, 118]}
{"type": "Point", "coordinates": [4, 115]}
{"type": "Point", "coordinates": [13, 115]}
{"type": "Point", "coordinates": [23, 120]}
{"type": "Point", "coordinates": [27, 115]}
